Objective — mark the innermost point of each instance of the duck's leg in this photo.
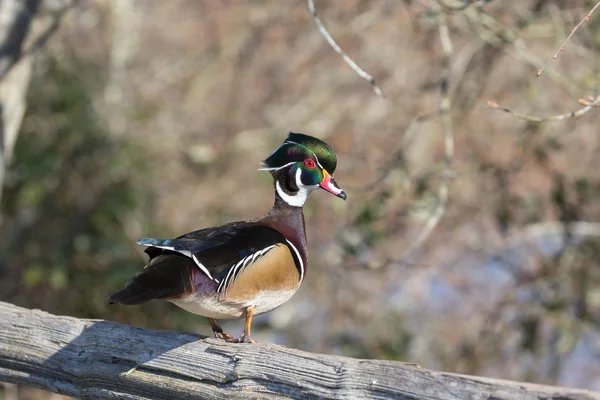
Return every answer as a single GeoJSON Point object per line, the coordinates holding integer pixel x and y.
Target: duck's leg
{"type": "Point", "coordinates": [218, 331]}
{"type": "Point", "coordinates": [245, 336]}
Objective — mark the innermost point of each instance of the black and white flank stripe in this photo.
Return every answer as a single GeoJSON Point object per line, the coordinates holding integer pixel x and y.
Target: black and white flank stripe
{"type": "Point", "coordinates": [240, 266]}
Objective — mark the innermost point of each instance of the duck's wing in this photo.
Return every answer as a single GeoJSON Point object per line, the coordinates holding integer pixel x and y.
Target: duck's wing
{"type": "Point", "coordinates": [216, 250]}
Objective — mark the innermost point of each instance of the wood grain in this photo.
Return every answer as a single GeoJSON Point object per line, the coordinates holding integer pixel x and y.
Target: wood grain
{"type": "Point", "coordinates": [91, 359]}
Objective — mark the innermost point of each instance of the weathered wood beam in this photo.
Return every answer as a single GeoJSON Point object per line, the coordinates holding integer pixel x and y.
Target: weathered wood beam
{"type": "Point", "coordinates": [96, 359]}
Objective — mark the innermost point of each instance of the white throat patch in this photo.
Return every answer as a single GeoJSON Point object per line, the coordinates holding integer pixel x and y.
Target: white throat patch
{"type": "Point", "coordinates": [298, 199]}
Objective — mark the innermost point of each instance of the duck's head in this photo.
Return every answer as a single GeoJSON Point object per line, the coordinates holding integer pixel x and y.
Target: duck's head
{"type": "Point", "coordinates": [299, 166]}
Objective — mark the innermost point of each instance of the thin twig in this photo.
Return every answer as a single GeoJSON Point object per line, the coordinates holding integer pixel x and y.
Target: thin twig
{"type": "Point", "coordinates": [460, 6]}
{"type": "Point", "coordinates": [337, 48]}
{"type": "Point", "coordinates": [497, 34]}
{"type": "Point", "coordinates": [588, 105]}
{"type": "Point", "coordinates": [555, 56]}
{"type": "Point", "coordinates": [445, 105]}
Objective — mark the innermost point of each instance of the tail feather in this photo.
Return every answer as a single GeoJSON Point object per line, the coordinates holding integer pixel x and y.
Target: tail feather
{"type": "Point", "coordinates": [135, 293]}
{"type": "Point", "coordinates": [166, 276]}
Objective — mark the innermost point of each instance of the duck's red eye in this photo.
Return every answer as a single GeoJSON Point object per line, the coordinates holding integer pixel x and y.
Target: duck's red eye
{"type": "Point", "coordinates": [310, 163]}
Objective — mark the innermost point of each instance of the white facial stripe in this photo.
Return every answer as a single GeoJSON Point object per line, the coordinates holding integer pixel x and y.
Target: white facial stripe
{"type": "Point", "coordinates": [318, 163]}
{"type": "Point", "coordinates": [277, 168]}
{"type": "Point", "coordinates": [302, 186]}
{"type": "Point", "coordinates": [293, 162]}
{"type": "Point", "coordinates": [313, 153]}
{"type": "Point", "coordinates": [283, 166]}
{"type": "Point", "coordinates": [299, 259]}
{"type": "Point", "coordinates": [298, 199]}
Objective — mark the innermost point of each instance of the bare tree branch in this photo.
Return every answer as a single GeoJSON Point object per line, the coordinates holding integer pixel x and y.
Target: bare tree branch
{"type": "Point", "coordinates": [588, 105]}
{"type": "Point", "coordinates": [555, 56]}
{"type": "Point", "coordinates": [127, 20]}
{"type": "Point", "coordinates": [337, 48]}
{"type": "Point", "coordinates": [445, 106]}
{"type": "Point", "coordinates": [16, 19]}
{"type": "Point", "coordinates": [497, 34]}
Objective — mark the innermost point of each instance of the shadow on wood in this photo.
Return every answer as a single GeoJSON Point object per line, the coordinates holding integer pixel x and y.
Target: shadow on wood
{"type": "Point", "coordinates": [102, 359]}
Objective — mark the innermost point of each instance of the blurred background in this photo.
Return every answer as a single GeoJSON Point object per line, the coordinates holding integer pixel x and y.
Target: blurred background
{"type": "Point", "coordinates": [470, 239]}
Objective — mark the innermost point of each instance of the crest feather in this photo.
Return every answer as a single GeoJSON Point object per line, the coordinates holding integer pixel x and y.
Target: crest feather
{"type": "Point", "coordinates": [298, 147]}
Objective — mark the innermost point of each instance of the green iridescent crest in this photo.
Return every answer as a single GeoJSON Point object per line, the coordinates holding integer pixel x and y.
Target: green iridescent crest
{"type": "Point", "coordinates": [299, 147]}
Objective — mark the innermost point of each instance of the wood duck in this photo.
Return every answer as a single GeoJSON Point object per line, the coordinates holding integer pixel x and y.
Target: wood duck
{"type": "Point", "coordinates": [245, 267]}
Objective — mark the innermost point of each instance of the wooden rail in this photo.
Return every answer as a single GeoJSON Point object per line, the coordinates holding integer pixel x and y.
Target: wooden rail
{"type": "Point", "coordinates": [101, 359]}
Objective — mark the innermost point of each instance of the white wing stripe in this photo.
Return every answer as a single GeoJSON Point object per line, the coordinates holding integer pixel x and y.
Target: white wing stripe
{"type": "Point", "coordinates": [203, 268]}
{"type": "Point", "coordinates": [186, 253]}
